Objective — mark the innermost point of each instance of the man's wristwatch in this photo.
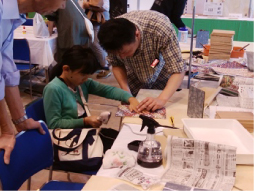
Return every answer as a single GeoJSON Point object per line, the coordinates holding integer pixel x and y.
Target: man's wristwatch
{"type": "Point", "coordinates": [20, 120]}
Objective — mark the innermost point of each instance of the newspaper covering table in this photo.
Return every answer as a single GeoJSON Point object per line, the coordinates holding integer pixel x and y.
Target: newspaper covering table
{"type": "Point", "coordinates": [200, 164]}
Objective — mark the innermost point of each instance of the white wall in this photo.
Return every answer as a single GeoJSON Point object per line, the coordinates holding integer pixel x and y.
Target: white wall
{"type": "Point", "coordinates": [237, 6]}
{"type": "Point", "coordinates": [142, 4]}
{"type": "Point", "coordinates": [229, 6]}
{"type": "Point", "coordinates": [146, 4]}
{"type": "Point", "coordinates": [132, 5]}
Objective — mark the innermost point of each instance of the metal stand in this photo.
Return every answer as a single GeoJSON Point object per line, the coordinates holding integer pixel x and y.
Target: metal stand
{"type": "Point", "coordinates": [250, 10]}
{"type": "Point", "coordinates": [191, 45]}
{"type": "Point", "coordinates": [138, 5]}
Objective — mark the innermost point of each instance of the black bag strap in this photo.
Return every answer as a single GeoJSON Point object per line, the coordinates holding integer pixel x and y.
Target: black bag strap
{"type": "Point", "coordinates": [74, 132]}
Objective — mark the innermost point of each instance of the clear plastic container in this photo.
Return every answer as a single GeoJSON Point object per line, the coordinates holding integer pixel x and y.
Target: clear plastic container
{"type": "Point", "coordinates": [149, 153]}
{"type": "Point", "coordinates": [182, 34]}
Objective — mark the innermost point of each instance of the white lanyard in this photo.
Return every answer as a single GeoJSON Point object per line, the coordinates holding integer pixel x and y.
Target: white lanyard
{"type": "Point", "coordinates": [84, 101]}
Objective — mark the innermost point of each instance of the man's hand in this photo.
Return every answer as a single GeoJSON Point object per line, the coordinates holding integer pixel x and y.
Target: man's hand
{"type": "Point", "coordinates": [30, 124]}
{"type": "Point", "coordinates": [7, 142]}
{"type": "Point", "coordinates": [133, 104]}
{"type": "Point", "coordinates": [93, 121]}
{"type": "Point", "coordinates": [151, 104]}
{"type": "Point", "coordinates": [189, 30]}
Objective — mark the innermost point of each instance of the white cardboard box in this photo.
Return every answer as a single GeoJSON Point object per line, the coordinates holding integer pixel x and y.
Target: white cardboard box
{"type": "Point", "coordinates": [222, 131]}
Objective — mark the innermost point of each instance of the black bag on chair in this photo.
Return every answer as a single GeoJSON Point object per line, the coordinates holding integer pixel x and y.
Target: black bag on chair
{"type": "Point", "coordinates": [108, 137]}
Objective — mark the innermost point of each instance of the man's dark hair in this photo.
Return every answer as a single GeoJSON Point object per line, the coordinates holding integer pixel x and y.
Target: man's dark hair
{"type": "Point", "coordinates": [115, 33]}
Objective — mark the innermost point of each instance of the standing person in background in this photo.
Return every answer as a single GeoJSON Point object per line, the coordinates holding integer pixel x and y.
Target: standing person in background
{"type": "Point", "coordinates": [173, 9]}
{"type": "Point", "coordinates": [117, 8]}
{"type": "Point", "coordinates": [10, 19]}
{"type": "Point", "coordinates": [98, 13]}
{"type": "Point", "coordinates": [70, 26]}
{"type": "Point", "coordinates": [145, 54]}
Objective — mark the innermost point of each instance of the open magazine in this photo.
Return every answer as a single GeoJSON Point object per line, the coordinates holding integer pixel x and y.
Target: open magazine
{"type": "Point", "coordinates": [200, 164]}
{"type": "Point", "coordinates": [230, 84]}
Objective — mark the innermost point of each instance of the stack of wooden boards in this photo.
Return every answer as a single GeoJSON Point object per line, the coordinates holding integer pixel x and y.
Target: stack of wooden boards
{"type": "Point", "coordinates": [221, 44]}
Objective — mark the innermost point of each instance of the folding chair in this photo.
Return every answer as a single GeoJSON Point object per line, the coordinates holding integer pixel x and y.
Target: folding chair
{"type": "Point", "coordinates": [21, 56]}
{"type": "Point", "coordinates": [32, 152]}
{"type": "Point", "coordinates": [35, 110]}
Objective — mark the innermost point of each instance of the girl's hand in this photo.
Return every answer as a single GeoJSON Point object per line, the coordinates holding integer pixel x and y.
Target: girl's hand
{"type": "Point", "coordinates": [133, 104]}
{"type": "Point", "coordinates": [93, 121]}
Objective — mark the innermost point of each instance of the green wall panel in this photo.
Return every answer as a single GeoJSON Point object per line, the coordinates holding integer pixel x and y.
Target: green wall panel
{"type": "Point", "coordinates": [31, 15]}
{"type": "Point", "coordinates": [243, 29]}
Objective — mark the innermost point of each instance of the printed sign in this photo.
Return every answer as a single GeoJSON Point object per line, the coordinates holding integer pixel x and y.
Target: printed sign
{"type": "Point", "coordinates": [215, 9]}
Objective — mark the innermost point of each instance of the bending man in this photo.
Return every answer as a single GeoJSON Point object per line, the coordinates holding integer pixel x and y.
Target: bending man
{"type": "Point", "coordinates": [145, 54]}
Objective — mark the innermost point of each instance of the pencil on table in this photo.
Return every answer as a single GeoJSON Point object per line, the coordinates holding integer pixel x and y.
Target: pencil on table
{"type": "Point", "coordinates": [172, 121]}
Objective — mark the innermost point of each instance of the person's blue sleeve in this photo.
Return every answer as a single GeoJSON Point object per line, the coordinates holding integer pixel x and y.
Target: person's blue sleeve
{"type": "Point", "coordinates": [9, 75]}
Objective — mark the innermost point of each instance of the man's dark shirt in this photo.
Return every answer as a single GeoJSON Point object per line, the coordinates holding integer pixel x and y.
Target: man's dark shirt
{"type": "Point", "coordinates": [173, 9]}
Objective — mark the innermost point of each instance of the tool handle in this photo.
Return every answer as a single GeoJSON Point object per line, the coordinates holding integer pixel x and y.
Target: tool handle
{"type": "Point", "coordinates": [243, 47]}
{"type": "Point", "coordinates": [104, 117]}
{"type": "Point", "coordinates": [203, 46]}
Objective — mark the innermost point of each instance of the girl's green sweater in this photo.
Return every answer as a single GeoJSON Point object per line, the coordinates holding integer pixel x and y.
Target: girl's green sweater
{"type": "Point", "coordinates": [60, 102]}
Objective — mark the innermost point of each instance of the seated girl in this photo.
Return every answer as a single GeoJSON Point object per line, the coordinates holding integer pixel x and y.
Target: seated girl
{"type": "Point", "coordinates": [62, 97]}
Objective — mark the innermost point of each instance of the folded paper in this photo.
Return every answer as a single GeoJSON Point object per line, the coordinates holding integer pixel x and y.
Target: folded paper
{"type": "Point", "coordinates": [124, 111]}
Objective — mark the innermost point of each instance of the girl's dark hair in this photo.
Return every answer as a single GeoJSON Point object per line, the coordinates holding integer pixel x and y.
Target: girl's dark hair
{"type": "Point", "coordinates": [115, 33]}
{"type": "Point", "coordinates": [77, 58]}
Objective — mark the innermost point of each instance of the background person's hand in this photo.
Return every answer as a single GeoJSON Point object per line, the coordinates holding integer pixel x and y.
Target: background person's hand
{"type": "Point", "coordinates": [86, 5]}
{"type": "Point", "coordinates": [189, 30]}
{"type": "Point", "coordinates": [30, 124]}
{"type": "Point", "coordinates": [151, 104]}
{"type": "Point", "coordinates": [7, 142]}
{"type": "Point", "coordinates": [93, 121]}
{"type": "Point", "coordinates": [133, 104]}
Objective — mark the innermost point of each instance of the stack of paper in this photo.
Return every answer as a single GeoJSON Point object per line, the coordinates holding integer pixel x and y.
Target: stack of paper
{"type": "Point", "coordinates": [221, 44]}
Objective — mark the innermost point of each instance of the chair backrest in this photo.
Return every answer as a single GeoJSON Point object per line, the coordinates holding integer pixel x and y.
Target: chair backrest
{"type": "Point", "coordinates": [32, 153]}
{"type": "Point", "coordinates": [29, 22]}
{"type": "Point", "coordinates": [35, 110]}
{"type": "Point", "coordinates": [21, 50]}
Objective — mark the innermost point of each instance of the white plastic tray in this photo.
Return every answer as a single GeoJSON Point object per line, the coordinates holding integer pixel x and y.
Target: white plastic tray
{"type": "Point", "coordinates": [222, 131]}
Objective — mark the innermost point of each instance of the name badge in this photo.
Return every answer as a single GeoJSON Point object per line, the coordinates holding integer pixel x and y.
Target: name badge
{"type": "Point", "coordinates": [155, 62]}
